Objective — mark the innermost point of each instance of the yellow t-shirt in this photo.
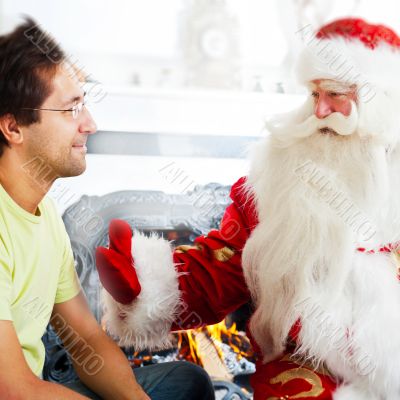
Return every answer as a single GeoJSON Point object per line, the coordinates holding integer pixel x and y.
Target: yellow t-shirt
{"type": "Point", "coordinates": [36, 271]}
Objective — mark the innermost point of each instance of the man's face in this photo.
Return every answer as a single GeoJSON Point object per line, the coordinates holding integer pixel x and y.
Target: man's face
{"type": "Point", "coordinates": [330, 96]}
{"type": "Point", "coordinates": [59, 139]}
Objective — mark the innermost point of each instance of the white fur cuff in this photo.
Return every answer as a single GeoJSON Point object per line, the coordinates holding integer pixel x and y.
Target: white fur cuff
{"type": "Point", "coordinates": [147, 321]}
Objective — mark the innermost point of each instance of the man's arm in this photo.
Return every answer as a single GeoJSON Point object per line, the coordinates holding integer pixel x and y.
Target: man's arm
{"type": "Point", "coordinates": [17, 381]}
{"type": "Point", "coordinates": [98, 361]}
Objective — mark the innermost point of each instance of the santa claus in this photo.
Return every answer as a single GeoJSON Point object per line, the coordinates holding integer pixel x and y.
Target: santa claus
{"type": "Point", "coordinates": [310, 238]}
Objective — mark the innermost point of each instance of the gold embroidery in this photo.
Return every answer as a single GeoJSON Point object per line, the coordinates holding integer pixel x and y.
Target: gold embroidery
{"type": "Point", "coordinates": [299, 373]}
{"type": "Point", "coordinates": [396, 257]}
{"type": "Point", "coordinates": [305, 364]}
{"type": "Point", "coordinates": [185, 248]}
{"type": "Point", "coordinates": [224, 254]}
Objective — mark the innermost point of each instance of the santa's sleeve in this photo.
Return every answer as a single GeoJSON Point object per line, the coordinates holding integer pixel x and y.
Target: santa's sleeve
{"type": "Point", "coordinates": [187, 287]}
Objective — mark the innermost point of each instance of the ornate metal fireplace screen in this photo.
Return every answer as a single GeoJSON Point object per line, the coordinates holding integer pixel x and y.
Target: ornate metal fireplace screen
{"type": "Point", "coordinates": [178, 217]}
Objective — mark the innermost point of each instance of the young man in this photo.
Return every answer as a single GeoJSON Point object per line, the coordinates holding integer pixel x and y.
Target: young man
{"type": "Point", "coordinates": [44, 126]}
{"type": "Point", "coordinates": [311, 237]}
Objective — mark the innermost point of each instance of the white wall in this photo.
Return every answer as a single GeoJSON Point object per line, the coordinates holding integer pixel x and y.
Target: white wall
{"type": "Point", "coordinates": [140, 31]}
{"type": "Point", "coordinates": [113, 40]}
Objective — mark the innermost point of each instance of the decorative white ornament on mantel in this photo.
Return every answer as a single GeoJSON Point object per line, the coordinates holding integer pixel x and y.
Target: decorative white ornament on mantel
{"type": "Point", "coordinates": [209, 39]}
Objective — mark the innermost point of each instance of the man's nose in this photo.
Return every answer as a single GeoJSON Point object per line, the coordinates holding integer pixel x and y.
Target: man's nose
{"type": "Point", "coordinates": [88, 126]}
{"type": "Point", "coordinates": [323, 108]}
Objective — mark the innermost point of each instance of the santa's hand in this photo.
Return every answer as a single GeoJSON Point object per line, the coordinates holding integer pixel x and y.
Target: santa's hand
{"type": "Point", "coordinates": [115, 265]}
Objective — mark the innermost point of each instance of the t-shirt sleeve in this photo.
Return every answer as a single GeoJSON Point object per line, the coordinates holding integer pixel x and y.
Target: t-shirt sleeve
{"type": "Point", "coordinates": [5, 284]}
{"type": "Point", "coordinates": [68, 283]}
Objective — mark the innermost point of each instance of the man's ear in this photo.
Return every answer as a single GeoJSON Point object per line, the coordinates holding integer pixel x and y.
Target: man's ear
{"type": "Point", "coordinates": [10, 129]}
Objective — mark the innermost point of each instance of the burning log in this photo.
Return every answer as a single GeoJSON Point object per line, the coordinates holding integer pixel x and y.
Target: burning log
{"type": "Point", "coordinates": [211, 358]}
{"type": "Point", "coordinates": [223, 352]}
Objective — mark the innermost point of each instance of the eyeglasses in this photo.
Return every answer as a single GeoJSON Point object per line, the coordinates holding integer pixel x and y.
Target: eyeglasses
{"type": "Point", "coordinates": [75, 110]}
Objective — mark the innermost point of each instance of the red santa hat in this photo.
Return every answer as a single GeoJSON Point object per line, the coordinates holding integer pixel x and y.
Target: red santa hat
{"type": "Point", "coordinates": [352, 51]}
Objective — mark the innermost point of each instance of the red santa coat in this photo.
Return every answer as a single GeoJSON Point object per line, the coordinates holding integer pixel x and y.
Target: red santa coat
{"type": "Point", "coordinates": [212, 285]}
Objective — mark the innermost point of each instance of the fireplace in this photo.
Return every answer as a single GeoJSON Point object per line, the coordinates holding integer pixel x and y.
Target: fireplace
{"type": "Point", "coordinates": [222, 349]}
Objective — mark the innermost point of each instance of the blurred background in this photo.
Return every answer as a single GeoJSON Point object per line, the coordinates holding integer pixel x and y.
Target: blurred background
{"type": "Point", "coordinates": [181, 83]}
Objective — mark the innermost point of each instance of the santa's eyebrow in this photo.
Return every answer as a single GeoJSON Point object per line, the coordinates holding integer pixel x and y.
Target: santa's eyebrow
{"type": "Point", "coordinates": [336, 87]}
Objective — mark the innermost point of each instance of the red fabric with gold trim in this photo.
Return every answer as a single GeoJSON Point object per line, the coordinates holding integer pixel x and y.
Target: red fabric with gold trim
{"type": "Point", "coordinates": [211, 280]}
{"type": "Point", "coordinates": [287, 379]}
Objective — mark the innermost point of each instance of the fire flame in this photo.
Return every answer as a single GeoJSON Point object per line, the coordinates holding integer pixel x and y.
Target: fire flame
{"type": "Point", "coordinates": [205, 345]}
{"type": "Point", "coordinates": [217, 334]}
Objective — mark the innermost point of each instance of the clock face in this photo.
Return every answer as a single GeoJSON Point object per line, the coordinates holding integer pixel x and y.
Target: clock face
{"type": "Point", "coordinates": [214, 43]}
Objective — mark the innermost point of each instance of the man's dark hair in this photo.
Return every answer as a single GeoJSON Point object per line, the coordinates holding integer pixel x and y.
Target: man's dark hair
{"type": "Point", "coordinates": [29, 58]}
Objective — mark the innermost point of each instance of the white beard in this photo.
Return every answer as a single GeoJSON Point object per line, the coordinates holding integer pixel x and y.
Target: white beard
{"type": "Point", "coordinates": [300, 260]}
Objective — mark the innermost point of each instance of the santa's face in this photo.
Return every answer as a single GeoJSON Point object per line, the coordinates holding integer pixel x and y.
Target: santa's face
{"type": "Point", "coordinates": [331, 97]}
{"type": "Point", "coordinates": [330, 110]}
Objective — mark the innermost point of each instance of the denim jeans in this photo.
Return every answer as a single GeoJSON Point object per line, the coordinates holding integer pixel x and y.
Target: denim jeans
{"type": "Point", "coordinates": [178, 380]}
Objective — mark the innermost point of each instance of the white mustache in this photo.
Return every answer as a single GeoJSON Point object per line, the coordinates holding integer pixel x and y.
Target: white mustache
{"type": "Point", "coordinates": [336, 121]}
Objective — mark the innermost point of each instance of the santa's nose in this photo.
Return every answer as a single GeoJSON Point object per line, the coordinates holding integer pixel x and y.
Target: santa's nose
{"type": "Point", "coordinates": [323, 108]}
